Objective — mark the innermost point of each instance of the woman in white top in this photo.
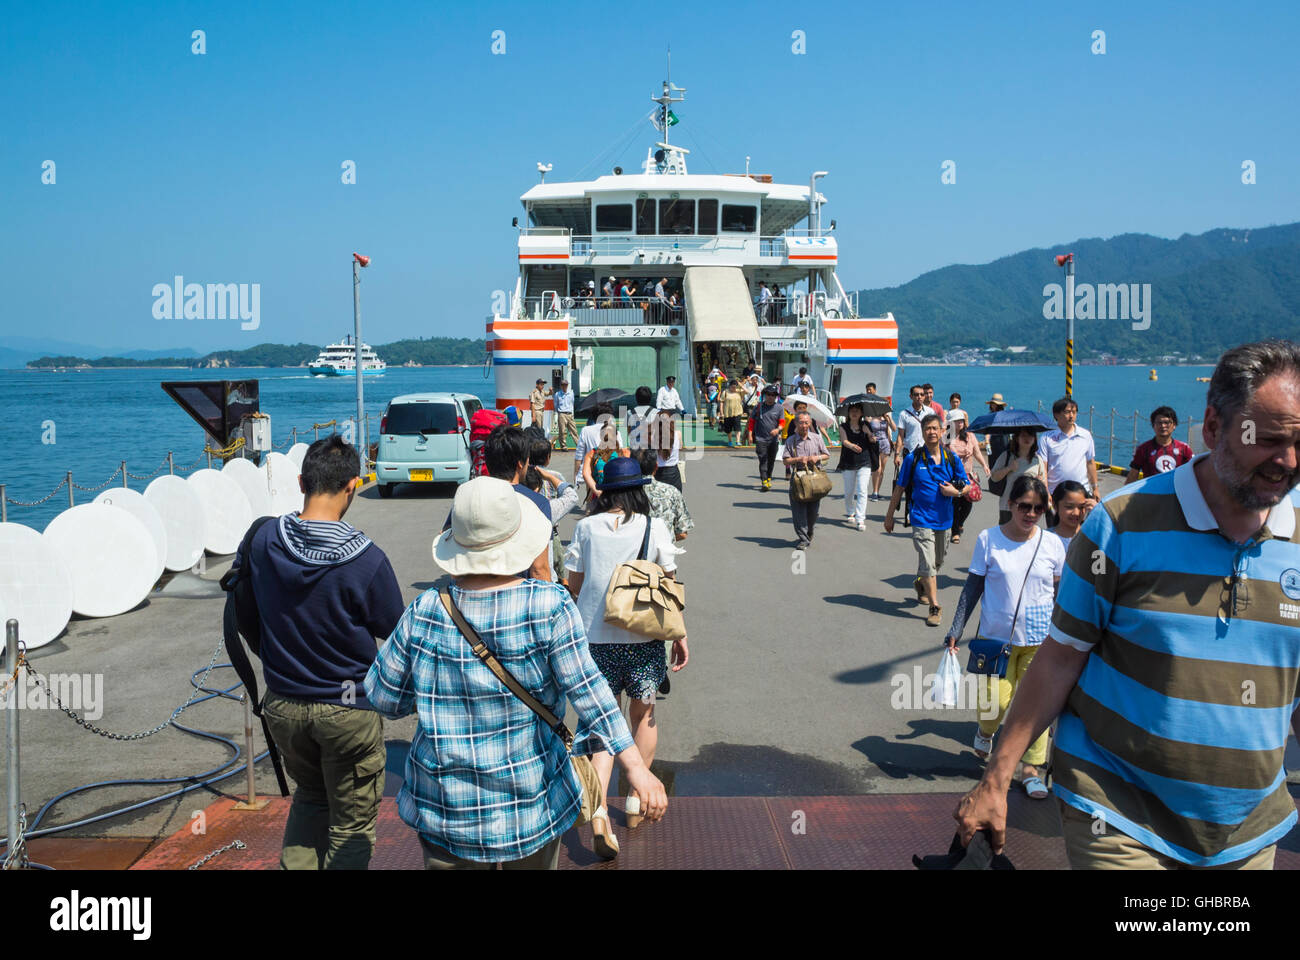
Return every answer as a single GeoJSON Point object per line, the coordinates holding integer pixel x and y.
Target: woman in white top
{"type": "Point", "coordinates": [1014, 571]}
{"type": "Point", "coordinates": [611, 534]}
{"type": "Point", "coordinates": [668, 442]}
{"type": "Point", "coordinates": [1019, 459]}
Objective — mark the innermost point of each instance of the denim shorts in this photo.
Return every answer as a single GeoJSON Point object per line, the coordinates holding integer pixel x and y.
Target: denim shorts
{"type": "Point", "coordinates": [637, 668]}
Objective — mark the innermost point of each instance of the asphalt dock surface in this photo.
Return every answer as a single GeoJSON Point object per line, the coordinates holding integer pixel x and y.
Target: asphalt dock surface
{"type": "Point", "coordinates": [793, 686]}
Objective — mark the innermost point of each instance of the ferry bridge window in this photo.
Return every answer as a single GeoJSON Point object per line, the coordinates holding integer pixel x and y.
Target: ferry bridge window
{"type": "Point", "coordinates": [645, 217]}
{"type": "Point", "coordinates": [676, 216]}
{"type": "Point", "coordinates": [613, 218]}
{"type": "Point", "coordinates": [411, 419]}
{"type": "Point", "coordinates": [708, 218]}
{"type": "Point", "coordinates": [739, 219]}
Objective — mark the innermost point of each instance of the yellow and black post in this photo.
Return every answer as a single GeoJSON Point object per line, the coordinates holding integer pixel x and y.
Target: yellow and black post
{"type": "Point", "coordinates": [1066, 260]}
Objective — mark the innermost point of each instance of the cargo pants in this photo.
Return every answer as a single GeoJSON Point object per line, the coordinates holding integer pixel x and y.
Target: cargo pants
{"type": "Point", "coordinates": [335, 755]}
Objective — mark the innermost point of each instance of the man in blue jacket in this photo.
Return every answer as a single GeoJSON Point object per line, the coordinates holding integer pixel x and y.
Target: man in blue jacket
{"type": "Point", "coordinates": [324, 594]}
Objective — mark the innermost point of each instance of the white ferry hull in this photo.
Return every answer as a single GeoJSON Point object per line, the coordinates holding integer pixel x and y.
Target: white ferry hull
{"type": "Point", "coordinates": [328, 371]}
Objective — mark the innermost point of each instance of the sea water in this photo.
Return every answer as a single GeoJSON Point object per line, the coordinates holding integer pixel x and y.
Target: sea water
{"type": "Point", "coordinates": [88, 422]}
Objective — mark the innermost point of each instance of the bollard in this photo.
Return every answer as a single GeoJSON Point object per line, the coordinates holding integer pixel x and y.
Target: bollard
{"type": "Point", "coordinates": [71, 503]}
{"type": "Point", "coordinates": [209, 453]}
{"type": "Point", "coordinates": [124, 477]}
{"type": "Point", "coordinates": [1110, 457]}
{"type": "Point", "coordinates": [1090, 410]}
{"type": "Point", "coordinates": [4, 503]}
{"type": "Point", "coordinates": [1135, 427]}
{"type": "Point", "coordinates": [171, 467]}
{"type": "Point", "coordinates": [315, 430]}
{"type": "Point", "coordinates": [13, 805]}
{"type": "Point", "coordinates": [251, 802]}
{"type": "Point", "coordinates": [293, 437]}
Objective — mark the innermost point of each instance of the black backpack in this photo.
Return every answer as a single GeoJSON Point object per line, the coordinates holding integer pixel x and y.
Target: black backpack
{"type": "Point", "coordinates": [240, 620]}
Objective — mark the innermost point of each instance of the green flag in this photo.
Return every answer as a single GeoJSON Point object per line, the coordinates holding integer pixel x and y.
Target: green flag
{"type": "Point", "coordinates": [672, 118]}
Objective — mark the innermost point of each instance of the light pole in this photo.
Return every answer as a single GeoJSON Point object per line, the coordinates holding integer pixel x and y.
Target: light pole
{"type": "Point", "coordinates": [359, 261]}
{"type": "Point", "coordinates": [1066, 260]}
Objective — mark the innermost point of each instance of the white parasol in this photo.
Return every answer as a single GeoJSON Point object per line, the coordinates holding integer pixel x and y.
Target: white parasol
{"type": "Point", "coordinates": [819, 412]}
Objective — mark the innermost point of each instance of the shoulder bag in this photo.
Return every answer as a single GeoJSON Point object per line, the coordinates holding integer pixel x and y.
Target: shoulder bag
{"type": "Point", "coordinates": [644, 600]}
{"type": "Point", "coordinates": [988, 656]}
{"type": "Point", "coordinates": [589, 793]}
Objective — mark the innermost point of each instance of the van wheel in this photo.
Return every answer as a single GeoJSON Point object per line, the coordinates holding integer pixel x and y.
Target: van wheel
{"type": "Point", "coordinates": [386, 490]}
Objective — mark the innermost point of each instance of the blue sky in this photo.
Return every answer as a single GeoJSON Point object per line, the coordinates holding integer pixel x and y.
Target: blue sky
{"type": "Point", "coordinates": [225, 167]}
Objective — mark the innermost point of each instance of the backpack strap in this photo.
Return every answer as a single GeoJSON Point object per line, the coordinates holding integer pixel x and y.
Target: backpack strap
{"type": "Point", "coordinates": [501, 673]}
{"type": "Point", "coordinates": [234, 642]}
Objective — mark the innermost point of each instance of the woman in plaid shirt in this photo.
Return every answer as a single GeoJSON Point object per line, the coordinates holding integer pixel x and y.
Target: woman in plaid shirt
{"type": "Point", "coordinates": [486, 780]}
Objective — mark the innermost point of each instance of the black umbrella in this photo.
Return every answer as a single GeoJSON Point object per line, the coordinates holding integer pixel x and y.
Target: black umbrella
{"type": "Point", "coordinates": [873, 405]}
{"type": "Point", "coordinates": [612, 395]}
{"type": "Point", "coordinates": [1011, 421]}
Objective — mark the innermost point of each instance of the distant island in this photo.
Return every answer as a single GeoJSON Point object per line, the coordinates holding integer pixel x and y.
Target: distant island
{"type": "Point", "coordinates": [430, 352]}
{"type": "Point", "coordinates": [1199, 296]}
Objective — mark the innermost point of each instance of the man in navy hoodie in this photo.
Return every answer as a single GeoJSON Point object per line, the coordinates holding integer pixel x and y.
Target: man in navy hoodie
{"type": "Point", "coordinates": [324, 594]}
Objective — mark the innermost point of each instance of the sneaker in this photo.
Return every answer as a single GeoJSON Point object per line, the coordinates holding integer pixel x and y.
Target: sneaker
{"type": "Point", "coordinates": [767, 484]}
{"type": "Point", "coordinates": [933, 619]}
{"type": "Point", "coordinates": [801, 545]}
{"type": "Point", "coordinates": [862, 525]}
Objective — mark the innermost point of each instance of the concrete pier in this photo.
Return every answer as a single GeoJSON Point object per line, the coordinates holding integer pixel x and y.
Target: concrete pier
{"type": "Point", "coordinates": [801, 682]}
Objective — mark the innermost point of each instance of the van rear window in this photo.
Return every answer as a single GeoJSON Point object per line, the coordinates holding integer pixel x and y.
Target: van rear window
{"type": "Point", "coordinates": [410, 419]}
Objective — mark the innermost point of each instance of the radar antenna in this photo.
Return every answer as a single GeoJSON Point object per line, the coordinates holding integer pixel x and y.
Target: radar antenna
{"type": "Point", "coordinates": [664, 117]}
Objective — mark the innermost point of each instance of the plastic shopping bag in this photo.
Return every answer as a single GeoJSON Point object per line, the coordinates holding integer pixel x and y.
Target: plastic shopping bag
{"type": "Point", "coordinates": [948, 681]}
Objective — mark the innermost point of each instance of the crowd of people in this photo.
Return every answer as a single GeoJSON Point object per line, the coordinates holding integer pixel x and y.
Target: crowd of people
{"type": "Point", "coordinates": [489, 781]}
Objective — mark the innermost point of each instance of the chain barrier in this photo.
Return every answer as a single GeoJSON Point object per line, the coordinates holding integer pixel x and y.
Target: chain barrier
{"type": "Point", "coordinates": [197, 461]}
{"type": "Point", "coordinates": [149, 476]}
{"type": "Point", "coordinates": [318, 426]}
{"type": "Point", "coordinates": [140, 735]}
{"type": "Point", "coordinates": [36, 503]}
{"type": "Point", "coordinates": [232, 845]}
{"type": "Point", "coordinates": [16, 856]}
{"type": "Point", "coordinates": [224, 451]}
{"type": "Point", "coordinates": [77, 486]}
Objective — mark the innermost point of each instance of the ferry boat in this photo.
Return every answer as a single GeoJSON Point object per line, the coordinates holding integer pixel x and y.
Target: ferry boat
{"type": "Point", "coordinates": [340, 359]}
{"type": "Point", "coordinates": [630, 278]}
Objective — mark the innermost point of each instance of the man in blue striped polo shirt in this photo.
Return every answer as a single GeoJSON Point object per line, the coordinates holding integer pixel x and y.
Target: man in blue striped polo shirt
{"type": "Point", "coordinates": [1174, 656]}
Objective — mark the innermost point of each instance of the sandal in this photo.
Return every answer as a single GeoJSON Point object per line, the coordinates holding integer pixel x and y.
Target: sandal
{"type": "Point", "coordinates": [603, 840]}
{"type": "Point", "coordinates": [1035, 788]}
{"type": "Point", "coordinates": [956, 538]}
{"type": "Point", "coordinates": [983, 746]}
{"type": "Point", "coordinates": [632, 811]}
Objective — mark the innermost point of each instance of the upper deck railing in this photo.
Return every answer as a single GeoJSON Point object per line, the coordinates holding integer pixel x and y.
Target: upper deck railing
{"type": "Point", "coordinates": [663, 248]}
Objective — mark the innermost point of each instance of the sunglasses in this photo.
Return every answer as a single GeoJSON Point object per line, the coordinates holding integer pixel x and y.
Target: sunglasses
{"type": "Point", "coordinates": [1034, 508]}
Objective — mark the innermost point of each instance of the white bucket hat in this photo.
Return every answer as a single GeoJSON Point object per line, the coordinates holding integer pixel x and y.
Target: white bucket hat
{"type": "Point", "coordinates": [956, 415]}
{"type": "Point", "coordinates": [494, 530]}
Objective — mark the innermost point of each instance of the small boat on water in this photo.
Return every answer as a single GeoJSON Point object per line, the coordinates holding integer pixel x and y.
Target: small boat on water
{"type": "Point", "coordinates": [340, 359]}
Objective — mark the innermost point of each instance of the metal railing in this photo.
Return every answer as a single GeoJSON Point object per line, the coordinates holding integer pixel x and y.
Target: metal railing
{"type": "Point", "coordinates": [1125, 432]}
{"type": "Point", "coordinates": [168, 465]}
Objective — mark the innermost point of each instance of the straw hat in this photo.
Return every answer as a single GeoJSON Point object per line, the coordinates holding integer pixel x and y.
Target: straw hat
{"type": "Point", "coordinates": [997, 399]}
{"type": "Point", "coordinates": [494, 530]}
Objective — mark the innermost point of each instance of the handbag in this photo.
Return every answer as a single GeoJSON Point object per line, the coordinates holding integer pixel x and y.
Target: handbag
{"type": "Point", "coordinates": [810, 483]}
{"type": "Point", "coordinates": [988, 656]}
{"type": "Point", "coordinates": [643, 599]}
{"type": "Point", "coordinates": [589, 793]}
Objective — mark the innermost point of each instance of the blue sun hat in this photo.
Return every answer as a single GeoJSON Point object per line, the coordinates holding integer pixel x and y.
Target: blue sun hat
{"type": "Point", "coordinates": [621, 473]}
